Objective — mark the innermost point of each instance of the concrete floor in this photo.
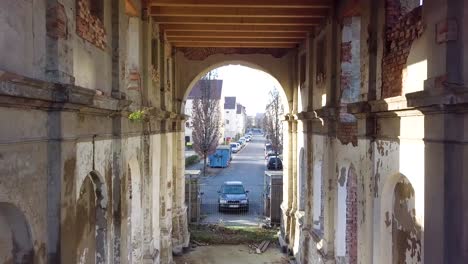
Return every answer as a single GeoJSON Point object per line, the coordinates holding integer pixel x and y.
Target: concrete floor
{"type": "Point", "coordinates": [232, 254]}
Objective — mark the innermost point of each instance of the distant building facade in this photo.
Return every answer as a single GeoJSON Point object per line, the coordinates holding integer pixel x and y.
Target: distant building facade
{"type": "Point", "coordinates": [235, 118]}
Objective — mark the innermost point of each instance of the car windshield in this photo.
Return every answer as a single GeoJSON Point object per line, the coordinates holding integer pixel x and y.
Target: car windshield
{"type": "Point", "coordinates": [233, 145]}
{"type": "Point", "coordinates": [275, 160]}
{"type": "Point", "coordinates": [233, 189]}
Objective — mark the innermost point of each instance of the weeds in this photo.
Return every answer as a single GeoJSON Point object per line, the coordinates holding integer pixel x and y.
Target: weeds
{"type": "Point", "coordinates": [213, 234]}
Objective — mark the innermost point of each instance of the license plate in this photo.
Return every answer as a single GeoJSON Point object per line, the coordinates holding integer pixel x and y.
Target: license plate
{"type": "Point", "coordinates": [233, 206]}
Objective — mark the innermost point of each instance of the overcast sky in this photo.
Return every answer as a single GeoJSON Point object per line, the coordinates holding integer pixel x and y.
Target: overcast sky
{"type": "Point", "coordinates": [250, 86]}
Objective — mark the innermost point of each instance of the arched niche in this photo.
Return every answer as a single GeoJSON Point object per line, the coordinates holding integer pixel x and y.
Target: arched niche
{"type": "Point", "coordinates": [400, 234]}
{"type": "Point", "coordinates": [15, 236]}
{"type": "Point", "coordinates": [302, 184]}
{"type": "Point", "coordinates": [346, 217]}
{"type": "Point", "coordinates": [317, 215]}
{"type": "Point", "coordinates": [135, 209]}
{"type": "Point", "coordinates": [91, 223]}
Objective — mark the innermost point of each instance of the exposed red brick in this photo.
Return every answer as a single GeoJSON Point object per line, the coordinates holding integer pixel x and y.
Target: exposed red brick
{"type": "Point", "coordinates": [401, 31]}
{"type": "Point", "coordinates": [90, 27]}
{"type": "Point", "coordinates": [351, 216]}
{"type": "Point", "coordinates": [346, 55]}
{"type": "Point", "coordinates": [56, 22]}
{"type": "Point", "coordinates": [347, 133]}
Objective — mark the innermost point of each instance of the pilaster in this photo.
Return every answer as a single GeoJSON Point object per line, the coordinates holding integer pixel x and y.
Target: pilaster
{"type": "Point", "coordinates": [59, 42]}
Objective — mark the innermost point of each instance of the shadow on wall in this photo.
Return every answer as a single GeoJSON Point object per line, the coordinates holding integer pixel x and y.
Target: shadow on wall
{"type": "Point", "coordinates": [15, 236]}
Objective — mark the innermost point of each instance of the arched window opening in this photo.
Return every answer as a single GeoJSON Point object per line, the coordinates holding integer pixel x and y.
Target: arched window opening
{"type": "Point", "coordinates": [302, 185]}
{"type": "Point", "coordinates": [346, 231]}
{"type": "Point", "coordinates": [91, 224]}
{"type": "Point", "coordinates": [135, 209]}
{"type": "Point", "coordinates": [317, 198]}
{"type": "Point", "coordinates": [406, 232]}
{"type": "Point", "coordinates": [15, 236]}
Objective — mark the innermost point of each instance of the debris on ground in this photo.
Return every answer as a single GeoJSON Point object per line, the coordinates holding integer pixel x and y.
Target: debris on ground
{"type": "Point", "coordinates": [199, 243]}
{"type": "Point", "coordinates": [262, 247]}
{"type": "Point", "coordinates": [218, 235]}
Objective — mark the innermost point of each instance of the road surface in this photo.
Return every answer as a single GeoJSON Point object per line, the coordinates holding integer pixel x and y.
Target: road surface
{"type": "Point", "coordinates": [247, 166]}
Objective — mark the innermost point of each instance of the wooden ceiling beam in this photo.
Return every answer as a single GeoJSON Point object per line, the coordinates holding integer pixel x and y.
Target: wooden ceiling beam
{"type": "Point", "coordinates": [237, 40]}
{"type": "Point", "coordinates": [246, 3]}
{"type": "Point", "coordinates": [239, 34]}
{"type": "Point", "coordinates": [237, 21]}
{"type": "Point", "coordinates": [236, 12]}
{"type": "Point", "coordinates": [234, 28]}
{"type": "Point", "coordinates": [232, 45]}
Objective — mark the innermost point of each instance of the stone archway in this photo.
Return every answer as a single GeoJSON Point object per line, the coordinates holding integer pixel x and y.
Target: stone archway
{"type": "Point", "coordinates": [400, 233]}
{"type": "Point", "coordinates": [15, 236]}
{"type": "Point", "coordinates": [204, 71]}
{"type": "Point", "coordinates": [91, 223]}
{"type": "Point", "coordinates": [406, 233]}
{"type": "Point", "coordinates": [190, 69]}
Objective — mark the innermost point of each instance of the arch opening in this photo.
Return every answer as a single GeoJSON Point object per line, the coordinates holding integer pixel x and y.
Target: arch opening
{"type": "Point", "coordinates": [91, 220]}
{"type": "Point", "coordinates": [250, 65]}
{"type": "Point", "coordinates": [15, 236]}
{"type": "Point", "coordinates": [400, 232]}
{"type": "Point", "coordinates": [135, 210]}
{"type": "Point", "coordinates": [250, 153]}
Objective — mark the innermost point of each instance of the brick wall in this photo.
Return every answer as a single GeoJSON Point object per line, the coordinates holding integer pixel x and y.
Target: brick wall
{"type": "Point", "coordinates": [351, 216]}
{"type": "Point", "coordinates": [347, 132]}
{"type": "Point", "coordinates": [401, 31]}
{"type": "Point", "coordinates": [88, 26]}
{"type": "Point", "coordinates": [57, 22]}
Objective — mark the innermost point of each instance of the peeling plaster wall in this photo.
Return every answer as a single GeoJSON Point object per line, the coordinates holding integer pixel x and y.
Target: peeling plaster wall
{"type": "Point", "coordinates": [92, 66]}
{"type": "Point", "coordinates": [23, 37]}
{"type": "Point", "coordinates": [23, 176]}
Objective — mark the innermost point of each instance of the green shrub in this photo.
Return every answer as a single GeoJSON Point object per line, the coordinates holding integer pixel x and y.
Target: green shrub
{"type": "Point", "coordinates": [191, 160]}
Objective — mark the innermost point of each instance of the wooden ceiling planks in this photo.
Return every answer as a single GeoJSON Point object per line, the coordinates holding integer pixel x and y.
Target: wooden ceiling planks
{"type": "Point", "coordinates": [238, 23]}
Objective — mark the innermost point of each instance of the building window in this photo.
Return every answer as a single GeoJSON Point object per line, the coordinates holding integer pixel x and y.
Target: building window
{"type": "Point", "coordinates": [227, 122]}
{"type": "Point", "coordinates": [187, 124]}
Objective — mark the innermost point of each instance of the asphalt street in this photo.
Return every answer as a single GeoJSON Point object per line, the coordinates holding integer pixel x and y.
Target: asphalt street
{"type": "Point", "coordinates": [247, 166]}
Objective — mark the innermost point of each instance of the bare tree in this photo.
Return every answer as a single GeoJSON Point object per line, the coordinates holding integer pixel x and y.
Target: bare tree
{"type": "Point", "coordinates": [272, 124]}
{"type": "Point", "coordinates": [206, 119]}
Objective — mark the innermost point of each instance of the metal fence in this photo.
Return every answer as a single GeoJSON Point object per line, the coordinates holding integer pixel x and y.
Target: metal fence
{"type": "Point", "coordinates": [205, 207]}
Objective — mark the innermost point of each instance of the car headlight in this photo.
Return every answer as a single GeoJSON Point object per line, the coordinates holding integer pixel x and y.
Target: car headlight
{"type": "Point", "coordinates": [222, 201]}
{"type": "Point", "coordinates": [244, 201]}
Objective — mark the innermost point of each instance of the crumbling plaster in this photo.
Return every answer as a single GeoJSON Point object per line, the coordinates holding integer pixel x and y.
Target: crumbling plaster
{"type": "Point", "coordinates": [23, 36]}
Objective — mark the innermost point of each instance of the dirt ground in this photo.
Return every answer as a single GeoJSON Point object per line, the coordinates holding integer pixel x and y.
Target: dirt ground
{"type": "Point", "coordinates": [231, 254]}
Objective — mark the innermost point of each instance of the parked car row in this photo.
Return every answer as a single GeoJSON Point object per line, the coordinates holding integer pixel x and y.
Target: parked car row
{"type": "Point", "coordinates": [237, 146]}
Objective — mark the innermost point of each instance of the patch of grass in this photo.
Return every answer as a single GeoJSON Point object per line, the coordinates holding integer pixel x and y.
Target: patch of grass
{"type": "Point", "coordinates": [191, 160]}
{"type": "Point", "coordinates": [213, 234]}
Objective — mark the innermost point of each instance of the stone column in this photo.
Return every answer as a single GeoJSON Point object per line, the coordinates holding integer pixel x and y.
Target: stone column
{"type": "Point", "coordinates": [166, 197]}
{"type": "Point", "coordinates": [294, 181]}
{"type": "Point", "coordinates": [180, 234]}
{"type": "Point", "coordinates": [60, 21]}
{"type": "Point", "coordinates": [288, 206]}
{"type": "Point", "coordinates": [444, 102]}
